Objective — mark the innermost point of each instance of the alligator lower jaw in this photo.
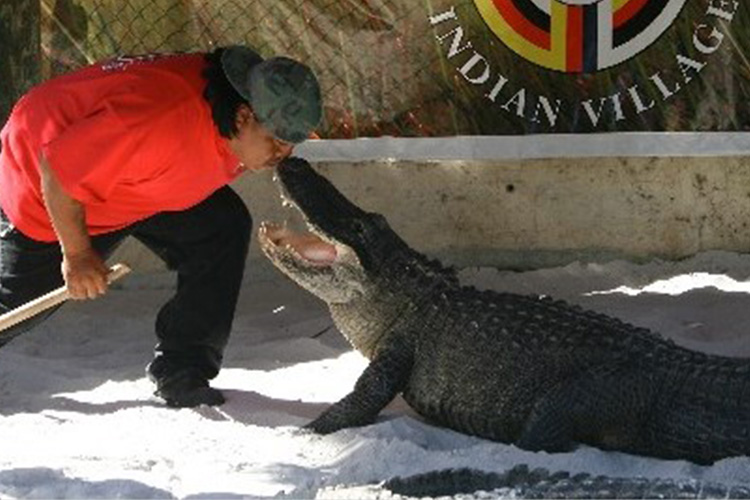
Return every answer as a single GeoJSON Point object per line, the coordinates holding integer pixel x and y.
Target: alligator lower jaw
{"type": "Point", "coordinates": [307, 247]}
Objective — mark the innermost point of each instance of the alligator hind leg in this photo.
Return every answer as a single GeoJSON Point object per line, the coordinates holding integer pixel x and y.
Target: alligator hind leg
{"type": "Point", "coordinates": [602, 407]}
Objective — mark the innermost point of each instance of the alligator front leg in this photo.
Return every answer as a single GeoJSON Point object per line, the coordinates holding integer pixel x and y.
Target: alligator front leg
{"type": "Point", "coordinates": [383, 379]}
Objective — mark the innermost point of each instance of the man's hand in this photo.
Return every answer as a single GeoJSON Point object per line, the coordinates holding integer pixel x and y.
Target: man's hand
{"type": "Point", "coordinates": [85, 275]}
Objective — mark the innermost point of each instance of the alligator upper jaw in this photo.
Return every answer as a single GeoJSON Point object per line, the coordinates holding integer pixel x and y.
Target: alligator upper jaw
{"type": "Point", "coordinates": [306, 248]}
{"type": "Point", "coordinates": [321, 204]}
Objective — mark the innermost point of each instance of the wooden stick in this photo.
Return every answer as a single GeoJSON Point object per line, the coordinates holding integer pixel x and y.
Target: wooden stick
{"type": "Point", "coordinates": [51, 299]}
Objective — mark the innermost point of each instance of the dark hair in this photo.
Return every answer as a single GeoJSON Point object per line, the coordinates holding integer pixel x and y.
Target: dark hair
{"type": "Point", "coordinates": [220, 94]}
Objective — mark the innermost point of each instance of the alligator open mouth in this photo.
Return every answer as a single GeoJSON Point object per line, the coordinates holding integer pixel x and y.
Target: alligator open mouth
{"type": "Point", "coordinates": [321, 206]}
{"type": "Point", "coordinates": [307, 248]}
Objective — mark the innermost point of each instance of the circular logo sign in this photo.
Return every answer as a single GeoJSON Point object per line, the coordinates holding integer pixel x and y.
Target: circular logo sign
{"type": "Point", "coordinates": [578, 36]}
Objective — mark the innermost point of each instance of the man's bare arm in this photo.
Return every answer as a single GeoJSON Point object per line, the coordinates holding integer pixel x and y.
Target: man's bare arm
{"type": "Point", "coordinates": [83, 270]}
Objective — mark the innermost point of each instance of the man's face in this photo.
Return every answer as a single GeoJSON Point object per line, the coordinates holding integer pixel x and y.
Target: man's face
{"type": "Point", "coordinates": [255, 146]}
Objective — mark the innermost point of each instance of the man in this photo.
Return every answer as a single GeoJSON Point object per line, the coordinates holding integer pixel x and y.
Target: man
{"type": "Point", "coordinates": [146, 147]}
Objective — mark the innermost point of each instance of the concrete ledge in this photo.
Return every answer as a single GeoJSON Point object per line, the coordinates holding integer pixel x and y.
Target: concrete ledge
{"type": "Point", "coordinates": [536, 146]}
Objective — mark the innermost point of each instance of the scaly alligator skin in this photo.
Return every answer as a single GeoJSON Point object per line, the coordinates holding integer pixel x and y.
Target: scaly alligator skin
{"type": "Point", "coordinates": [528, 370]}
{"type": "Point", "coordinates": [520, 482]}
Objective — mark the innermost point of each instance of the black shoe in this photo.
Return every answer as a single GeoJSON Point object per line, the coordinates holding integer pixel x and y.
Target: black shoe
{"type": "Point", "coordinates": [186, 389]}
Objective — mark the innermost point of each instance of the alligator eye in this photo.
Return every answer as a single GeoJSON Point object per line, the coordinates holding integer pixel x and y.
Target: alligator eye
{"type": "Point", "coordinates": [359, 226]}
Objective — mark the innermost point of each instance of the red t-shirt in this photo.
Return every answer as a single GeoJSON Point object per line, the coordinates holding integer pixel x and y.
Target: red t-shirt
{"type": "Point", "coordinates": [128, 138]}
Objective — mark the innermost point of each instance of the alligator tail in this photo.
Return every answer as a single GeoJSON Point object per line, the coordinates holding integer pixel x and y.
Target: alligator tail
{"type": "Point", "coordinates": [521, 482]}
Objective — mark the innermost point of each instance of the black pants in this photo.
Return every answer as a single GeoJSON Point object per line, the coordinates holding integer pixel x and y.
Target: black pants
{"type": "Point", "coordinates": [207, 245]}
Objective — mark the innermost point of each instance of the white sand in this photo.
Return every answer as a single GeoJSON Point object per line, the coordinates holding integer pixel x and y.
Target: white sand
{"type": "Point", "coordinates": [77, 419]}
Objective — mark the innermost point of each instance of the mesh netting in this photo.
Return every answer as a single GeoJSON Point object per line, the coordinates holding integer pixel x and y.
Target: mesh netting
{"type": "Point", "coordinates": [384, 72]}
{"type": "Point", "coordinates": [351, 45]}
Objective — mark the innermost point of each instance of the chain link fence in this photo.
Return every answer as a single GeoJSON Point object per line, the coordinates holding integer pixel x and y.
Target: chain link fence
{"type": "Point", "coordinates": [371, 76]}
{"type": "Point", "coordinates": [382, 69]}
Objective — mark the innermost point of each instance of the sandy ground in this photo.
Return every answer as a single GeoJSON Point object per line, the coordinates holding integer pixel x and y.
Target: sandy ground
{"type": "Point", "coordinates": [77, 419]}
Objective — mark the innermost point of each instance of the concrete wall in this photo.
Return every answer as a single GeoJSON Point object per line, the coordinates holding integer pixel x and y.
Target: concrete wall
{"type": "Point", "coordinates": [535, 213]}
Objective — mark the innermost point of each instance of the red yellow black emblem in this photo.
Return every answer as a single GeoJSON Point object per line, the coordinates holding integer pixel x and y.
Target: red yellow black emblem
{"type": "Point", "coordinates": [579, 36]}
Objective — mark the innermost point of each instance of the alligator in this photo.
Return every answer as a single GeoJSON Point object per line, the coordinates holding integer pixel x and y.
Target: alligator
{"type": "Point", "coordinates": [532, 371]}
{"type": "Point", "coordinates": [522, 482]}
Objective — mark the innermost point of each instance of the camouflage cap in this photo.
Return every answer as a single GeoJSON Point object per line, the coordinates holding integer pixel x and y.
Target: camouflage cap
{"type": "Point", "coordinates": [284, 93]}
